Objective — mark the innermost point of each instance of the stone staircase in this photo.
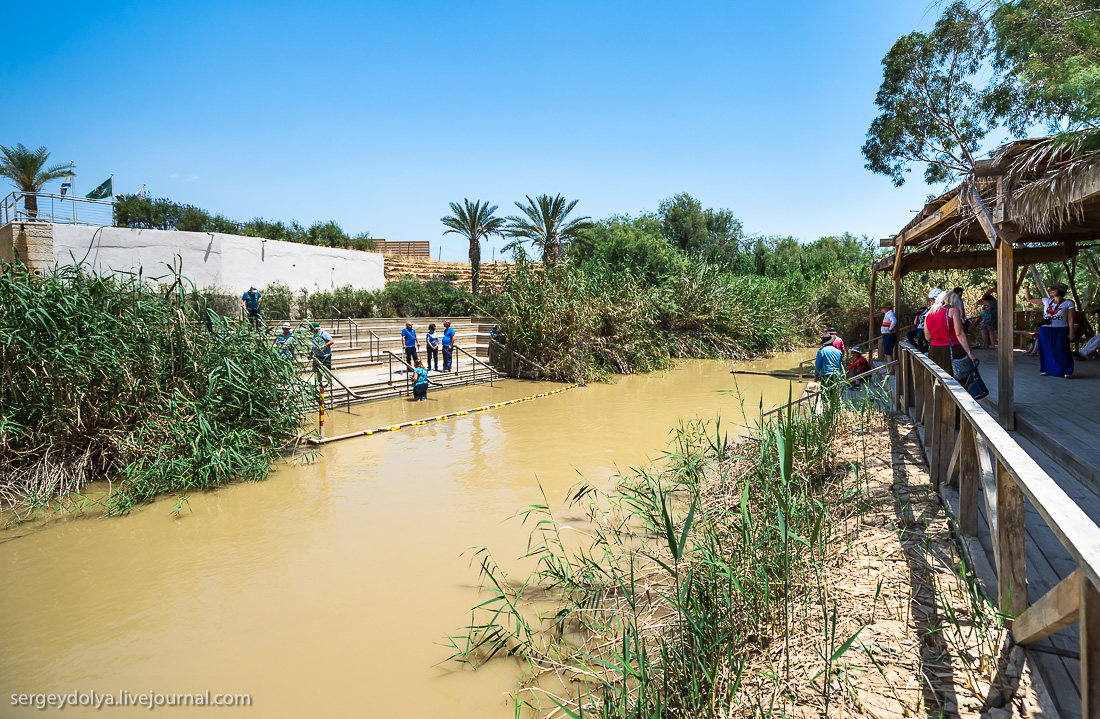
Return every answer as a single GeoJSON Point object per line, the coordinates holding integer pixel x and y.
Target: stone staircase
{"type": "Point", "coordinates": [367, 352]}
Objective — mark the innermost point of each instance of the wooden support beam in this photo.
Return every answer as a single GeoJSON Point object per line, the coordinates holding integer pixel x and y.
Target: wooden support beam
{"type": "Point", "coordinates": [1018, 284]}
{"type": "Point", "coordinates": [946, 435]}
{"type": "Point", "coordinates": [1055, 611]}
{"type": "Point", "coordinates": [981, 259]}
{"type": "Point", "coordinates": [955, 461]}
{"type": "Point", "coordinates": [987, 474]}
{"type": "Point", "coordinates": [1006, 407]}
{"type": "Point", "coordinates": [871, 317]}
{"type": "Point", "coordinates": [1011, 544]}
{"type": "Point", "coordinates": [969, 477]}
{"type": "Point", "coordinates": [1089, 622]}
{"type": "Point", "coordinates": [949, 210]}
{"type": "Point", "coordinates": [985, 217]}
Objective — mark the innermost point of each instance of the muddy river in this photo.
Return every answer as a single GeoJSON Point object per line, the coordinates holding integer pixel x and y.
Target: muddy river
{"type": "Point", "coordinates": [327, 589]}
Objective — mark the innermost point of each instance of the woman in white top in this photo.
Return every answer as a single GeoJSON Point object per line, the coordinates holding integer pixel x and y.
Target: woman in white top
{"type": "Point", "coordinates": [1055, 334]}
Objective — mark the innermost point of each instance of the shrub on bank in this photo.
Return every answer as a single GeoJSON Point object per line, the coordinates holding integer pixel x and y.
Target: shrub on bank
{"type": "Point", "coordinates": [164, 214]}
{"type": "Point", "coordinates": [107, 378]}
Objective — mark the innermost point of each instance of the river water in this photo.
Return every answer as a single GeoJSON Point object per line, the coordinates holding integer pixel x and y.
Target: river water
{"type": "Point", "coordinates": [327, 589]}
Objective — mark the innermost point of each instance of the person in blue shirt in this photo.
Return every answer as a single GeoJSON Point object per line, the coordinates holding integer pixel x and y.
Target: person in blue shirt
{"type": "Point", "coordinates": [322, 345]}
{"type": "Point", "coordinates": [448, 345]}
{"type": "Point", "coordinates": [250, 303]}
{"type": "Point", "coordinates": [409, 341]}
{"type": "Point", "coordinates": [420, 384]}
{"type": "Point", "coordinates": [285, 342]}
{"type": "Point", "coordinates": [431, 343]}
{"type": "Point", "coordinates": [829, 365]}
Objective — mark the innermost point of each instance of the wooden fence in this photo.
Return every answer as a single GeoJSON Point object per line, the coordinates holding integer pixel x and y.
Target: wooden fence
{"type": "Point", "coordinates": [969, 450]}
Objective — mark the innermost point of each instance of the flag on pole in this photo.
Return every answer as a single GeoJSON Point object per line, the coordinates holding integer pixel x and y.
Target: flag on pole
{"type": "Point", "coordinates": [68, 183]}
{"type": "Point", "coordinates": [141, 193]}
{"type": "Point", "coordinates": [105, 190]}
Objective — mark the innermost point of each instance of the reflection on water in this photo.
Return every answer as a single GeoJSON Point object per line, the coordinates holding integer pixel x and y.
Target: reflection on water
{"type": "Point", "coordinates": [325, 590]}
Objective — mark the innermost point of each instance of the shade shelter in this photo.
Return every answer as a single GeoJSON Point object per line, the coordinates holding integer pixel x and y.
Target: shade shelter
{"type": "Point", "coordinates": [1034, 201]}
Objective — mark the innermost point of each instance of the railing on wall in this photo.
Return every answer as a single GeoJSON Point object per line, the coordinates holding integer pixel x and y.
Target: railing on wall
{"type": "Point", "coordinates": [68, 210]}
{"type": "Point", "coordinates": [967, 449]}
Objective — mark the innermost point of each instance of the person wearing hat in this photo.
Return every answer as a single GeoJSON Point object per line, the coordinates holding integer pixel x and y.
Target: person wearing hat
{"type": "Point", "coordinates": [829, 364]}
{"type": "Point", "coordinates": [916, 335]}
{"type": "Point", "coordinates": [250, 303]}
{"type": "Point", "coordinates": [837, 342]}
{"type": "Point", "coordinates": [859, 365]}
{"type": "Point", "coordinates": [1055, 334]}
{"type": "Point", "coordinates": [285, 342]}
{"type": "Point", "coordinates": [322, 345]}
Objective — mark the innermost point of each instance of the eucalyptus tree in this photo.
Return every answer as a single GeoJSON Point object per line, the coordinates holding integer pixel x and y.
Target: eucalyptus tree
{"type": "Point", "coordinates": [27, 169]}
{"type": "Point", "coordinates": [476, 221]}
{"type": "Point", "coordinates": [931, 112]}
{"type": "Point", "coordinates": [545, 225]}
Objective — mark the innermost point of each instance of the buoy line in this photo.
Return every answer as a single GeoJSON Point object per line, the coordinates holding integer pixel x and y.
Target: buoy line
{"type": "Point", "coordinates": [449, 415]}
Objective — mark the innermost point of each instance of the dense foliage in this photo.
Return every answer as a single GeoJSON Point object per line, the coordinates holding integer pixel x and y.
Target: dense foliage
{"type": "Point", "coordinates": [935, 109]}
{"type": "Point", "coordinates": [163, 214]}
{"type": "Point", "coordinates": [108, 378]}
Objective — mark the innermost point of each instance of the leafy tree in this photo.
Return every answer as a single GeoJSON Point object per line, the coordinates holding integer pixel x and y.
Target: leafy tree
{"type": "Point", "coordinates": [476, 221]}
{"type": "Point", "coordinates": [1048, 56]}
{"type": "Point", "coordinates": [545, 225]}
{"type": "Point", "coordinates": [714, 234]}
{"type": "Point", "coordinates": [621, 243]}
{"type": "Point", "coordinates": [27, 169]}
{"type": "Point", "coordinates": [931, 112]}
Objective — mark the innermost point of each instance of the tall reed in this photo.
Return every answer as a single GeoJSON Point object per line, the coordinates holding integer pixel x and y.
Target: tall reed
{"type": "Point", "coordinates": [109, 378]}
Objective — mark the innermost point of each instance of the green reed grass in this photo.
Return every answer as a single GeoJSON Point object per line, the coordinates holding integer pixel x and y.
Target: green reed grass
{"type": "Point", "coordinates": [105, 378]}
{"type": "Point", "coordinates": [683, 583]}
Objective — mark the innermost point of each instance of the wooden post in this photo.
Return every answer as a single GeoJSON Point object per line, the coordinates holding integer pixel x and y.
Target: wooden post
{"type": "Point", "coordinates": [968, 480]}
{"type": "Point", "coordinates": [933, 421]}
{"type": "Point", "coordinates": [1011, 544]}
{"type": "Point", "coordinates": [1006, 310]}
{"type": "Point", "coordinates": [918, 390]}
{"type": "Point", "coordinates": [871, 319]}
{"type": "Point", "coordinates": [945, 438]}
{"type": "Point", "coordinates": [1088, 619]}
{"type": "Point", "coordinates": [901, 401]}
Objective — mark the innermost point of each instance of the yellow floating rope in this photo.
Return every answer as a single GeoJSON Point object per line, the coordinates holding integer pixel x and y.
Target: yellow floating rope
{"type": "Point", "coordinates": [419, 422]}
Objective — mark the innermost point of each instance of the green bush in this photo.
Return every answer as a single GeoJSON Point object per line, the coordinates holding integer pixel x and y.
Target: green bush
{"type": "Point", "coordinates": [163, 214]}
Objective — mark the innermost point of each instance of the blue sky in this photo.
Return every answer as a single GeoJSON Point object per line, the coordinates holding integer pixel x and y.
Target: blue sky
{"type": "Point", "coordinates": [378, 115]}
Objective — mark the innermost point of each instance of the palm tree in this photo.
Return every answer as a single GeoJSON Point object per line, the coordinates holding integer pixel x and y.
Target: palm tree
{"type": "Point", "coordinates": [545, 225]}
{"type": "Point", "coordinates": [26, 169]}
{"type": "Point", "coordinates": [474, 221]}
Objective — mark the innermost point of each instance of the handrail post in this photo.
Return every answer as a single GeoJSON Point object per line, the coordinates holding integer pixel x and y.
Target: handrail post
{"type": "Point", "coordinates": [1010, 547]}
{"type": "Point", "coordinates": [321, 411]}
{"type": "Point", "coordinates": [968, 479]}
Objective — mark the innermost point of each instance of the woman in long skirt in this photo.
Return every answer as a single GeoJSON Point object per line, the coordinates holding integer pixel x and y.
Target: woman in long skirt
{"type": "Point", "coordinates": [1055, 334]}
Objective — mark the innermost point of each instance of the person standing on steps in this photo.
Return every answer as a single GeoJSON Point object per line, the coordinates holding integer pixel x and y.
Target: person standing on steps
{"type": "Point", "coordinates": [322, 344]}
{"type": "Point", "coordinates": [284, 342]}
{"type": "Point", "coordinates": [1055, 332]}
{"type": "Point", "coordinates": [409, 341]}
{"type": "Point", "coordinates": [431, 343]}
{"type": "Point", "coordinates": [250, 303]}
{"type": "Point", "coordinates": [448, 345]}
{"type": "Point", "coordinates": [829, 363]}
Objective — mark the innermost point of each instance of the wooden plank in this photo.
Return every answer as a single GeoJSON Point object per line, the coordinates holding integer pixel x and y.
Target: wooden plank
{"type": "Point", "coordinates": [946, 436]}
{"type": "Point", "coordinates": [871, 319]}
{"type": "Point", "coordinates": [1056, 610]}
{"type": "Point", "coordinates": [985, 218]}
{"type": "Point", "coordinates": [949, 210]}
{"type": "Point", "coordinates": [1005, 390]}
{"type": "Point", "coordinates": [1089, 603]}
{"type": "Point", "coordinates": [1011, 544]}
{"type": "Point", "coordinates": [969, 478]}
{"type": "Point", "coordinates": [1019, 283]}
{"type": "Point", "coordinates": [956, 457]}
{"type": "Point", "coordinates": [932, 421]}
{"type": "Point", "coordinates": [988, 477]}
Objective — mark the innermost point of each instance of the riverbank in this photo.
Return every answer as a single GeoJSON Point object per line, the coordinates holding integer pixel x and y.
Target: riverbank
{"type": "Point", "coordinates": [807, 570]}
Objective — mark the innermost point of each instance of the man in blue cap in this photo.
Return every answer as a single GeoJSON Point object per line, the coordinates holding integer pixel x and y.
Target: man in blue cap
{"type": "Point", "coordinates": [250, 303]}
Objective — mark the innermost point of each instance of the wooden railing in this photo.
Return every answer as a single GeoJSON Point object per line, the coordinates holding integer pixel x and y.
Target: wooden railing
{"type": "Point", "coordinates": [979, 456]}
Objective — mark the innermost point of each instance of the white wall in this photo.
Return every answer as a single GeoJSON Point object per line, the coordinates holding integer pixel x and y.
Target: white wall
{"type": "Point", "coordinates": [230, 262]}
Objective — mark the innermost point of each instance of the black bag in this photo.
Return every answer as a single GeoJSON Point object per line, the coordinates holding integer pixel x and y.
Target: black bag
{"type": "Point", "coordinates": [975, 385]}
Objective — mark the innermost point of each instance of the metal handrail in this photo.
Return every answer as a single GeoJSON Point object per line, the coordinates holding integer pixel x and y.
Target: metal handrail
{"type": "Point", "coordinates": [860, 346]}
{"type": "Point", "coordinates": [355, 341]}
{"type": "Point", "coordinates": [492, 371]}
{"type": "Point", "coordinates": [317, 367]}
{"type": "Point", "coordinates": [336, 317]}
{"type": "Point", "coordinates": [517, 354]}
{"type": "Point", "coordinates": [374, 341]}
{"type": "Point", "coordinates": [56, 208]}
{"type": "Point", "coordinates": [810, 395]}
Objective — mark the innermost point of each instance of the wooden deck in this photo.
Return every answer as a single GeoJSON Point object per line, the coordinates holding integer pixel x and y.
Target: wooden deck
{"type": "Point", "coordinates": [1058, 425]}
{"type": "Point", "coordinates": [1060, 416]}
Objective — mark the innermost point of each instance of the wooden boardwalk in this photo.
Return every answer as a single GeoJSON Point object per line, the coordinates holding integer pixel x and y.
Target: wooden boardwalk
{"type": "Point", "coordinates": [1058, 425]}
